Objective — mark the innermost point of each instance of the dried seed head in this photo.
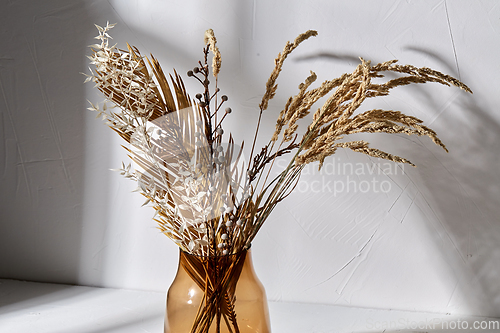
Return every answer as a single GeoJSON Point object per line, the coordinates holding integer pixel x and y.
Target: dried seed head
{"type": "Point", "coordinates": [199, 96]}
{"type": "Point", "coordinates": [224, 98]}
{"type": "Point", "coordinates": [212, 41]}
{"type": "Point", "coordinates": [190, 73]}
{"type": "Point", "coordinates": [228, 110]}
{"type": "Point", "coordinates": [196, 70]}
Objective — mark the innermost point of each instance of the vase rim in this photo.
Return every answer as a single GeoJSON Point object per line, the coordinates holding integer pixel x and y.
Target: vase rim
{"type": "Point", "coordinates": [244, 249]}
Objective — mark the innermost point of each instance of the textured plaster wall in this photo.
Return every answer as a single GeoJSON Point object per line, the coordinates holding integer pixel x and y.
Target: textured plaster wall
{"type": "Point", "coordinates": [424, 238]}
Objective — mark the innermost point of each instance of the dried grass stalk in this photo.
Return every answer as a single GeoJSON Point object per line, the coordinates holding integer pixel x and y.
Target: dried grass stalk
{"type": "Point", "coordinates": [271, 85]}
{"type": "Point", "coordinates": [337, 117]}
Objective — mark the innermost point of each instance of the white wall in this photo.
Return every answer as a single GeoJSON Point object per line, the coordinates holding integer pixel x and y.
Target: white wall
{"type": "Point", "coordinates": [431, 243]}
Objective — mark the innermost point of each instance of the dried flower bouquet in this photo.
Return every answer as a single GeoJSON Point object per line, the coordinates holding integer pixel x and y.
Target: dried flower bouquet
{"type": "Point", "coordinates": [207, 199]}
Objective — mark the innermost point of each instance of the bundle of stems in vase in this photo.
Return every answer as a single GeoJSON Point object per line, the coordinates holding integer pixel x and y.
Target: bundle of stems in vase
{"type": "Point", "coordinates": [207, 198]}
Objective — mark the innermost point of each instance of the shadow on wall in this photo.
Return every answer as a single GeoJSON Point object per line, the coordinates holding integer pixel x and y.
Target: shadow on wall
{"type": "Point", "coordinates": [466, 195]}
{"type": "Point", "coordinates": [42, 139]}
{"type": "Point", "coordinates": [54, 217]}
{"type": "Point", "coordinates": [461, 190]}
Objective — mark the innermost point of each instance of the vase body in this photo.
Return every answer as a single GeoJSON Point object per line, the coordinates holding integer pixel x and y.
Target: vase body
{"type": "Point", "coordinates": [216, 295]}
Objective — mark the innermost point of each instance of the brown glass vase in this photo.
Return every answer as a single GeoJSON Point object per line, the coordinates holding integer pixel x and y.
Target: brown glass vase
{"type": "Point", "coordinates": [216, 294]}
